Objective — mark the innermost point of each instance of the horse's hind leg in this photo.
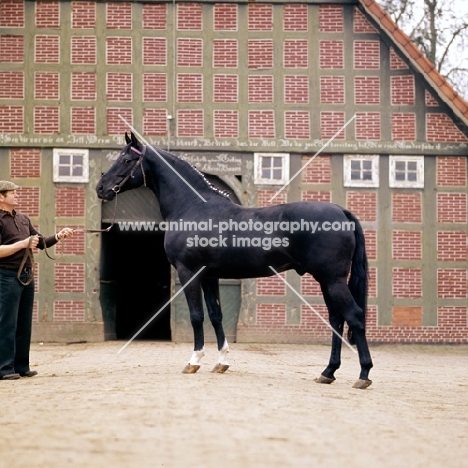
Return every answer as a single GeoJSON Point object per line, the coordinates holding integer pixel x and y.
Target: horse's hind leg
{"type": "Point", "coordinates": [195, 305]}
{"type": "Point", "coordinates": [340, 302]}
{"type": "Point", "coordinates": [328, 375]}
{"type": "Point", "coordinates": [211, 291]}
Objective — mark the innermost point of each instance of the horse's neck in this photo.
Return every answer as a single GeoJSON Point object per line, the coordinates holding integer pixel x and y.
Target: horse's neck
{"type": "Point", "coordinates": [179, 187]}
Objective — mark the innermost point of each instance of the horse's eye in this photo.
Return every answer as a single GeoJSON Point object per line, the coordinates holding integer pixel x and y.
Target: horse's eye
{"type": "Point", "coordinates": [127, 161]}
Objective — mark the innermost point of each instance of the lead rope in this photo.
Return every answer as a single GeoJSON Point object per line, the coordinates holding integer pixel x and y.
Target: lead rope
{"type": "Point", "coordinates": [27, 254]}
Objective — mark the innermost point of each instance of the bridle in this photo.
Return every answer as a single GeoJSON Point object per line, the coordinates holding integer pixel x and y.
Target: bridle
{"type": "Point", "coordinates": [116, 188]}
{"type": "Point", "coordinates": [141, 154]}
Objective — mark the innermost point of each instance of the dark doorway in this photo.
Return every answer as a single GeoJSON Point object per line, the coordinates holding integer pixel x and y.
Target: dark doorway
{"type": "Point", "coordinates": [135, 284]}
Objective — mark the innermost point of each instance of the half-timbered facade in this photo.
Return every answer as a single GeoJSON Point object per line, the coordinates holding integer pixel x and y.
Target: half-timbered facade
{"type": "Point", "coordinates": [329, 96]}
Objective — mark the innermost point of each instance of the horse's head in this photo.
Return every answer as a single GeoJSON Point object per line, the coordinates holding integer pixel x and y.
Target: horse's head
{"type": "Point", "coordinates": [126, 173]}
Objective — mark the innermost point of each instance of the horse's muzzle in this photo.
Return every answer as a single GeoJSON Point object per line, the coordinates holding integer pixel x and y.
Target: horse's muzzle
{"type": "Point", "coordinates": [106, 195]}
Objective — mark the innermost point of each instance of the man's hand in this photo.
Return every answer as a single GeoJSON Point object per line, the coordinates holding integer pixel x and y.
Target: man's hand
{"type": "Point", "coordinates": [64, 233]}
{"type": "Point", "coordinates": [34, 242]}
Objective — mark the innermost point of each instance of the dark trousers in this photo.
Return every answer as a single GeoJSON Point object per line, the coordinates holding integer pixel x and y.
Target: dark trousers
{"type": "Point", "coordinates": [16, 306]}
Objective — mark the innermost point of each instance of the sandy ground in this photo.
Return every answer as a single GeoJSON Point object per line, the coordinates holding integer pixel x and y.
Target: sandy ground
{"type": "Point", "coordinates": [92, 407]}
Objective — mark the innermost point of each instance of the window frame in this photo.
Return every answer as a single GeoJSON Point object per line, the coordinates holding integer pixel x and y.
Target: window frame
{"type": "Point", "coordinates": [259, 180]}
{"type": "Point", "coordinates": [373, 182]}
{"type": "Point", "coordinates": [57, 152]}
{"type": "Point", "coordinates": [393, 183]}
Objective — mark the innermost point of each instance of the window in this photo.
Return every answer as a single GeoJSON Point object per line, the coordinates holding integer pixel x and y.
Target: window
{"type": "Point", "coordinates": [361, 170]}
{"type": "Point", "coordinates": [271, 168]}
{"type": "Point", "coordinates": [71, 165]}
{"type": "Point", "coordinates": [406, 172]}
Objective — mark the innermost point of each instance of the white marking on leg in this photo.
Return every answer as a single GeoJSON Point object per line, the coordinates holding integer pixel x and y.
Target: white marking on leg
{"type": "Point", "coordinates": [196, 358]}
{"type": "Point", "coordinates": [223, 354]}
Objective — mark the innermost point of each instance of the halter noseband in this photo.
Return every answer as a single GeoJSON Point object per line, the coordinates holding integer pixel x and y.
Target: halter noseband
{"type": "Point", "coordinates": [116, 188]}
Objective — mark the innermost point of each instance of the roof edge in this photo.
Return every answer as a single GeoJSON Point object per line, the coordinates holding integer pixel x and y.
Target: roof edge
{"type": "Point", "coordinates": [441, 84]}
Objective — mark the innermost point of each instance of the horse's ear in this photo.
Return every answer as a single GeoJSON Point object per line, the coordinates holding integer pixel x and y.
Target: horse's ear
{"type": "Point", "coordinates": [127, 139]}
{"type": "Point", "coordinates": [135, 140]}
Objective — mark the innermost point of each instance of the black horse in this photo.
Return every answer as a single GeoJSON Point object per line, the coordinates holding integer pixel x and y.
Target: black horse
{"type": "Point", "coordinates": [209, 237]}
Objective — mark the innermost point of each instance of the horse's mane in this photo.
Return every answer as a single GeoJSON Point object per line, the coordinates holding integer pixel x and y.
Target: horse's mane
{"type": "Point", "coordinates": [212, 187]}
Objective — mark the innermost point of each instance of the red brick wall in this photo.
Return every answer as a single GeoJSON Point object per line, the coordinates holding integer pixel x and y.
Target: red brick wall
{"type": "Point", "coordinates": [25, 162]}
{"type": "Point", "coordinates": [367, 90]}
{"type": "Point", "coordinates": [318, 171]}
{"type": "Point", "coordinates": [451, 207]}
{"type": "Point", "coordinates": [47, 49]}
{"type": "Point", "coordinates": [119, 15]}
{"type": "Point", "coordinates": [271, 286]}
{"type": "Point", "coordinates": [189, 52]}
{"type": "Point", "coordinates": [439, 127]}
{"type": "Point", "coordinates": [331, 18]}
{"type": "Point", "coordinates": [154, 16]}
{"type": "Point", "coordinates": [260, 17]}
{"type": "Point", "coordinates": [402, 90]}
{"type": "Point", "coordinates": [296, 53]}
{"type": "Point", "coordinates": [407, 245]}
{"type": "Point", "coordinates": [331, 124]}
{"type": "Point", "coordinates": [83, 50]}
{"type": "Point", "coordinates": [225, 17]}
{"type": "Point", "coordinates": [452, 246]}
{"type": "Point", "coordinates": [48, 14]}
{"type": "Point", "coordinates": [404, 126]}
{"type": "Point", "coordinates": [189, 16]}
{"type": "Point", "coordinates": [29, 200]}
{"type": "Point", "coordinates": [261, 124]}
{"type": "Point", "coordinates": [260, 88]}
{"type": "Point", "coordinates": [69, 311]}
{"type": "Point", "coordinates": [406, 207]}
{"type": "Point", "coordinates": [155, 122]}
{"type": "Point", "coordinates": [83, 15]}
{"type": "Point", "coordinates": [332, 89]}
{"type": "Point", "coordinates": [366, 55]}
{"type": "Point", "coordinates": [331, 54]}
{"type": "Point", "coordinates": [452, 283]}
{"type": "Point", "coordinates": [226, 124]}
{"type": "Point", "coordinates": [295, 17]}
{"type": "Point", "coordinates": [297, 125]}
{"type": "Point", "coordinates": [451, 172]}
{"type": "Point", "coordinates": [83, 120]}
{"type": "Point", "coordinates": [46, 85]}
{"type": "Point", "coordinates": [119, 87]}
{"type": "Point", "coordinates": [46, 119]}
{"type": "Point", "coordinates": [11, 14]}
{"type": "Point", "coordinates": [362, 204]}
{"type": "Point", "coordinates": [11, 85]}
{"type": "Point", "coordinates": [367, 126]}
{"type": "Point", "coordinates": [225, 53]}
{"type": "Point", "coordinates": [190, 123]}
{"type": "Point", "coordinates": [69, 277]}
{"type": "Point", "coordinates": [70, 201]}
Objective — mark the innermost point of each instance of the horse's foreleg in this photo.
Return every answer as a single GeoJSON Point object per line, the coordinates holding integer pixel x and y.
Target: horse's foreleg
{"type": "Point", "coordinates": [195, 305]}
{"type": "Point", "coordinates": [211, 291]}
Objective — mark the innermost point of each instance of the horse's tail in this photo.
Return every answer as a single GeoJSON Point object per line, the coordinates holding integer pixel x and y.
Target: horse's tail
{"type": "Point", "coordinates": [358, 279]}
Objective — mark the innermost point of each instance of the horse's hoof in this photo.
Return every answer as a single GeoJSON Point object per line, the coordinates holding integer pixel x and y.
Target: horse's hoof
{"type": "Point", "coordinates": [325, 380]}
{"type": "Point", "coordinates": [190, 368]}
{"type": "Point", "coordinates": [220, 368]}
{"type": "Point", "coordinates": [362, 384]}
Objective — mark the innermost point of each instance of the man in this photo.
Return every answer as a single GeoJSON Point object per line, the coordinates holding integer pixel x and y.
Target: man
{"type": "Point", "coordinates": [17, 238]}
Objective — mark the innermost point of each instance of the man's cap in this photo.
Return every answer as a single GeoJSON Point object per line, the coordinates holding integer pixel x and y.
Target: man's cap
{"type": "Point", "coordinates": [6, 185]}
